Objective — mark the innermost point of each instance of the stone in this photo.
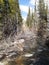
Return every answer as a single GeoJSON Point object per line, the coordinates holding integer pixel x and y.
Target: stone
{"type": "Point", "coordinates": [2, 56]}
{"type": "Point", "coordinates": [2, 63]}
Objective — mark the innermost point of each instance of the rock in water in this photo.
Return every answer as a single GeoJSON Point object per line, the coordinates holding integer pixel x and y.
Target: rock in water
{"type": "Point", "coordinates": [28, 55]}
{"type": "Point", "coordinates": [2, 56]}
{"type": "Point", "coordinates": [1, 63]}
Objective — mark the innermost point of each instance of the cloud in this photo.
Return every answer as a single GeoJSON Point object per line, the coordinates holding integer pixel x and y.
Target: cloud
{"type": "Point", "coordinates": [24, 8]}
{"type": "Point", "coordinates": [32, 2]}
{"type": "Point", "coordinates": [24, 11]}
{"type": "Point", "coordinates": [24, 18]}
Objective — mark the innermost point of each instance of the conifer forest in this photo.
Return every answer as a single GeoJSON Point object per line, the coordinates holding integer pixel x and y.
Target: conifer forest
{"type": "Point", "coordinates": [24, 39]}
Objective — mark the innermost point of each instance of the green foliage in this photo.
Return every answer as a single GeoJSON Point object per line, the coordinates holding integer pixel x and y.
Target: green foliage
{"type": "Point", "coordinates": [9, 12]}
{"type": "Point", "coordinates": [29, 20]}
{"type": "Point", "coordinates": [42, 10]}
{"type": "Point", "coordinates": [42, 24]}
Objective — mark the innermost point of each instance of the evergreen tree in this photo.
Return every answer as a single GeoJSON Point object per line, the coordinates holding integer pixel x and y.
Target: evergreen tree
{"type": "Point", "coordinates": [29, 19]}
{"type": "Point", "coordinates": [42, 22]}
{"type": "Point", "coordinates": [9, 13]}
{"type": "Point", "coordinates": [18, 12]}
{"type": "Point", "coordinates": [42, 10]}
{"type": "Point", "coordinates": [1, 18]}
{"type": "Point", "coordinates": [35, 16]}
{"type": "Point", "coordinates": [14, 5]}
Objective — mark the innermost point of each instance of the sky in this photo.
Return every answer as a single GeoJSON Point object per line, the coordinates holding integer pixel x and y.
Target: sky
{"type": "Point", "coordinates": [24, 6]}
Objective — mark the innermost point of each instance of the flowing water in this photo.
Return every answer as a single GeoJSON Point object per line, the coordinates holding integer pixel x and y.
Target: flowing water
{"type": "Point", "coordinates": [11, 48]}
{"type": "Point", "coordinates": [19, 60]}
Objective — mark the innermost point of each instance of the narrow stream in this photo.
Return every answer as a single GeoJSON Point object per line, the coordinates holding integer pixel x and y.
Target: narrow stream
{"type": "Point", "coordinates": [20, 60]}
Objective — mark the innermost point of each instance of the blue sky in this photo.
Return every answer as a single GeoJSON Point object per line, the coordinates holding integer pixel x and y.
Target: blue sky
{"type": "Point", "coordinates": [24, 2]}
{"type": "Point", "coordinates": [24, 5]}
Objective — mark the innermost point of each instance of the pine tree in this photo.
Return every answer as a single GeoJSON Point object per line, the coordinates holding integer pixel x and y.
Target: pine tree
{"type": "Point", "coordinates": [31, 20]}
{"type": "Point", "coordinates": [42, 10]}
{"type": "Point", "coordinates": [35, 16]}
{"type": "Point", "coordinates": [28, 18]}
{"type": "Point", "coordinates": [14, 5]}
{"type": "Point", "coordinates": [1, 18]}
{"type": "Point", "coordinates": [42, 22]}
{"type": "Point", "coordinates": [10, 11]}
{"type": "Point", "coordinates": [7, 23]}
{"type": "Point", "coordinates": [19, 15]}
{"type": "Point", "coordinates": [28, 21]}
